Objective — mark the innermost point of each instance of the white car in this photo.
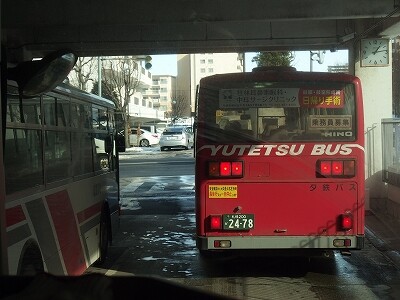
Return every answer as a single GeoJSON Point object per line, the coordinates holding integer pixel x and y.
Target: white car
{"type": "Point", "coordinates": [176, 137]}
{"type": "Point", "coordinates": [145, 139]}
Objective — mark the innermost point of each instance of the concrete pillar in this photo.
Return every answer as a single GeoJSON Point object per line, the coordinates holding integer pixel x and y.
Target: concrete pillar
{"type": "Point", "coordinates": [377, 93]}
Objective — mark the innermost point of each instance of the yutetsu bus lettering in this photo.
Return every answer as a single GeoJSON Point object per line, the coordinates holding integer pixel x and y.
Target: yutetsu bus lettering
{"type": "Point", "coordinates": [280, 150]}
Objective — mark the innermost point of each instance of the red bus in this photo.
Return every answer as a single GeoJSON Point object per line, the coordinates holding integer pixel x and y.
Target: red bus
{"type": "Point", "coordinates": [279, 162]}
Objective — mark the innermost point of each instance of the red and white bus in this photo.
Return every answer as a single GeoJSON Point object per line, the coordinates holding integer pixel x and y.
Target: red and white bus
{"type": "Point", "coordinates": [279, 161]}
{"type": "Point", "coordinates": [61, 180]}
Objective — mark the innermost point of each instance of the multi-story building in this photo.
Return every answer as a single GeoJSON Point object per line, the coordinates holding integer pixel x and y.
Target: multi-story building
{"type": "Point", "coordinates": [148, 103]}
{"type": "Point", "coordinates": [161, 92]}
{"type": "Point", "coordinates": [193, 67]}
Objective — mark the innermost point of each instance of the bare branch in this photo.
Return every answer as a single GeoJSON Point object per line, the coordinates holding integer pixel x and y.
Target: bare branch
{"type": "Point", "coordinates": [84, 69]}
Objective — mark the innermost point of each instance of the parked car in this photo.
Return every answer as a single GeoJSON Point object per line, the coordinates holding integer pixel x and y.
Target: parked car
{"type": "Point", "coordinates": [146, 138]}
{"type": "Point", "coordinates": [176, 137]}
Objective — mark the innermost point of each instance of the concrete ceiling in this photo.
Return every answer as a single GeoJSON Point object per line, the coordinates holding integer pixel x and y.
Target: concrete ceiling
{"type": "Point", "coordinates": [31, 28]}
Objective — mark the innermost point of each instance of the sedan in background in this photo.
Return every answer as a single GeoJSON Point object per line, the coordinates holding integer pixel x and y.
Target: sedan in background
{"type": "Point", "coordinates": [176, 137]}
{"type": "Point", "coordinates": [145, 139]}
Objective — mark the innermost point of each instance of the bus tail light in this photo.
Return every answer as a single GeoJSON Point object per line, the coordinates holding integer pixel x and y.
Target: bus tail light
{"type": "Point", "coordinates": [346, 221]}
{"type": "Point", "coordinates": [226, 169]}
{"type": "Point", "coordinates": [215, 222]}
{"type": "Point", "coordinates": [336, 168]}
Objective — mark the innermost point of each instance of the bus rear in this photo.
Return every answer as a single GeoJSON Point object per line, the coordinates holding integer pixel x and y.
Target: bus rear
{"type": "Point", "coordinates": [279, 162]}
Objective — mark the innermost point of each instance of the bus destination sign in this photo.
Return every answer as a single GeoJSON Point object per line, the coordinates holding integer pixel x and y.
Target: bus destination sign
{"type": "Point", "coordinates": [281, 97]}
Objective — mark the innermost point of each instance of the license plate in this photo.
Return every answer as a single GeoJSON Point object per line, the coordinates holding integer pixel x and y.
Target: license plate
{"type": "Point", "coordinates": [238, 222]}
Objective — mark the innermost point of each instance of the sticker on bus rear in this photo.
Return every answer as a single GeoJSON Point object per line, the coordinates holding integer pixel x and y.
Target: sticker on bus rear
{"type": "Point", "coordinates": [335, 122]}
{"type": "Point", "coordinates": [321, 98]}
{"type": "Point", "coordinates": [259, 97]}
{"type": "Point", "coordinates": [222, 191]}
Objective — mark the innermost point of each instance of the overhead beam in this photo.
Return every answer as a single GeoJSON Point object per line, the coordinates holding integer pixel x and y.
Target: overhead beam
{"type": "Point", "coordinates": [76, 12]}
{"type": "Point", "coordinates": [179, 38]}
{"type": "Point", "coordinates": [103, 27]}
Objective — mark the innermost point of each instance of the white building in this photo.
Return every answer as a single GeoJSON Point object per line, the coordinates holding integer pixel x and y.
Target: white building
{"type": "Point", "coordinates": [145, 105]}
{"type": "Point", "coordinates": [160, 92]}
{"type": "Point", "coordinates": [193, 67]}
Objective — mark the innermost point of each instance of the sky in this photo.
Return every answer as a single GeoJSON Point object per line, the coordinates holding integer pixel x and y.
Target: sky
{"type": "Point", "coordinates": [166, 64]}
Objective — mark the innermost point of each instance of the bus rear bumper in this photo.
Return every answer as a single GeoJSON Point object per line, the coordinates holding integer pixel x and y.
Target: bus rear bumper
{"type": "Point", "coordinates": [281, 242]}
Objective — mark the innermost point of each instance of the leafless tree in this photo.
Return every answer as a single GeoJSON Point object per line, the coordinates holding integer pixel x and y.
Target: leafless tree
{"type": "Point", "coordinates": [121, 76]}
{"type": "Point", "coordinates": [83, 72]}
{"type": "Point", "coordinates": [180, 106]}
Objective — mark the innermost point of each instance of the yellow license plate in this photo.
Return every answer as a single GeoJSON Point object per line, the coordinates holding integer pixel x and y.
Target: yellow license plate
{"type": "Point", "coordinates": [223, 191]}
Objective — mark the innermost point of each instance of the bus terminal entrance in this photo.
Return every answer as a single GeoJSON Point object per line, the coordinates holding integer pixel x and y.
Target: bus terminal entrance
{"type": "Point", "coordinates": [31, 31]}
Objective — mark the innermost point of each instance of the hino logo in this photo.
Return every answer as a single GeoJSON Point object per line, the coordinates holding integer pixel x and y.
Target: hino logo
{"type": "Point", "coordinates": [337, 133]}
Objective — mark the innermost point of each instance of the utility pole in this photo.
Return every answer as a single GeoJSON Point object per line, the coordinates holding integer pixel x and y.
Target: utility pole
{"type": "Point", "coordinates": [99, 66]}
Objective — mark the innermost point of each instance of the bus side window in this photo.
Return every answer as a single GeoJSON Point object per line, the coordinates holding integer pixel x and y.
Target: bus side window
{"type": "Point", "coordinates": [23, 159]}
{"type": "Point", "coordinates": [31, 110]}
{"type": "Point", "coordinates": [57, 155]}
{"type": "Point", "coordinates": [82, 162]}
{"type": "Point", "coordinates": [75, 117]}
{"type": "Point", "coordinates": [49, 106]}
{"type": "Point", "coordinates": [63, 113]}
{"type": "Point", "coordinates": [95, 118]}
{"type": "Point", "coordinates": [80, 115]}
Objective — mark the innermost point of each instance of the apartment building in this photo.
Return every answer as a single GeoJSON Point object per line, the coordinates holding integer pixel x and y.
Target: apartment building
{"type": "Point", "coordinates": [193, 67]}
{"type": "Point", "coordinates": [161, 91]}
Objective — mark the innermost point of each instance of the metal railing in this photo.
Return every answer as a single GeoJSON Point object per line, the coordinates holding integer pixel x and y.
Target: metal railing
{"type": "Point", "coordinates": [370, 150]}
